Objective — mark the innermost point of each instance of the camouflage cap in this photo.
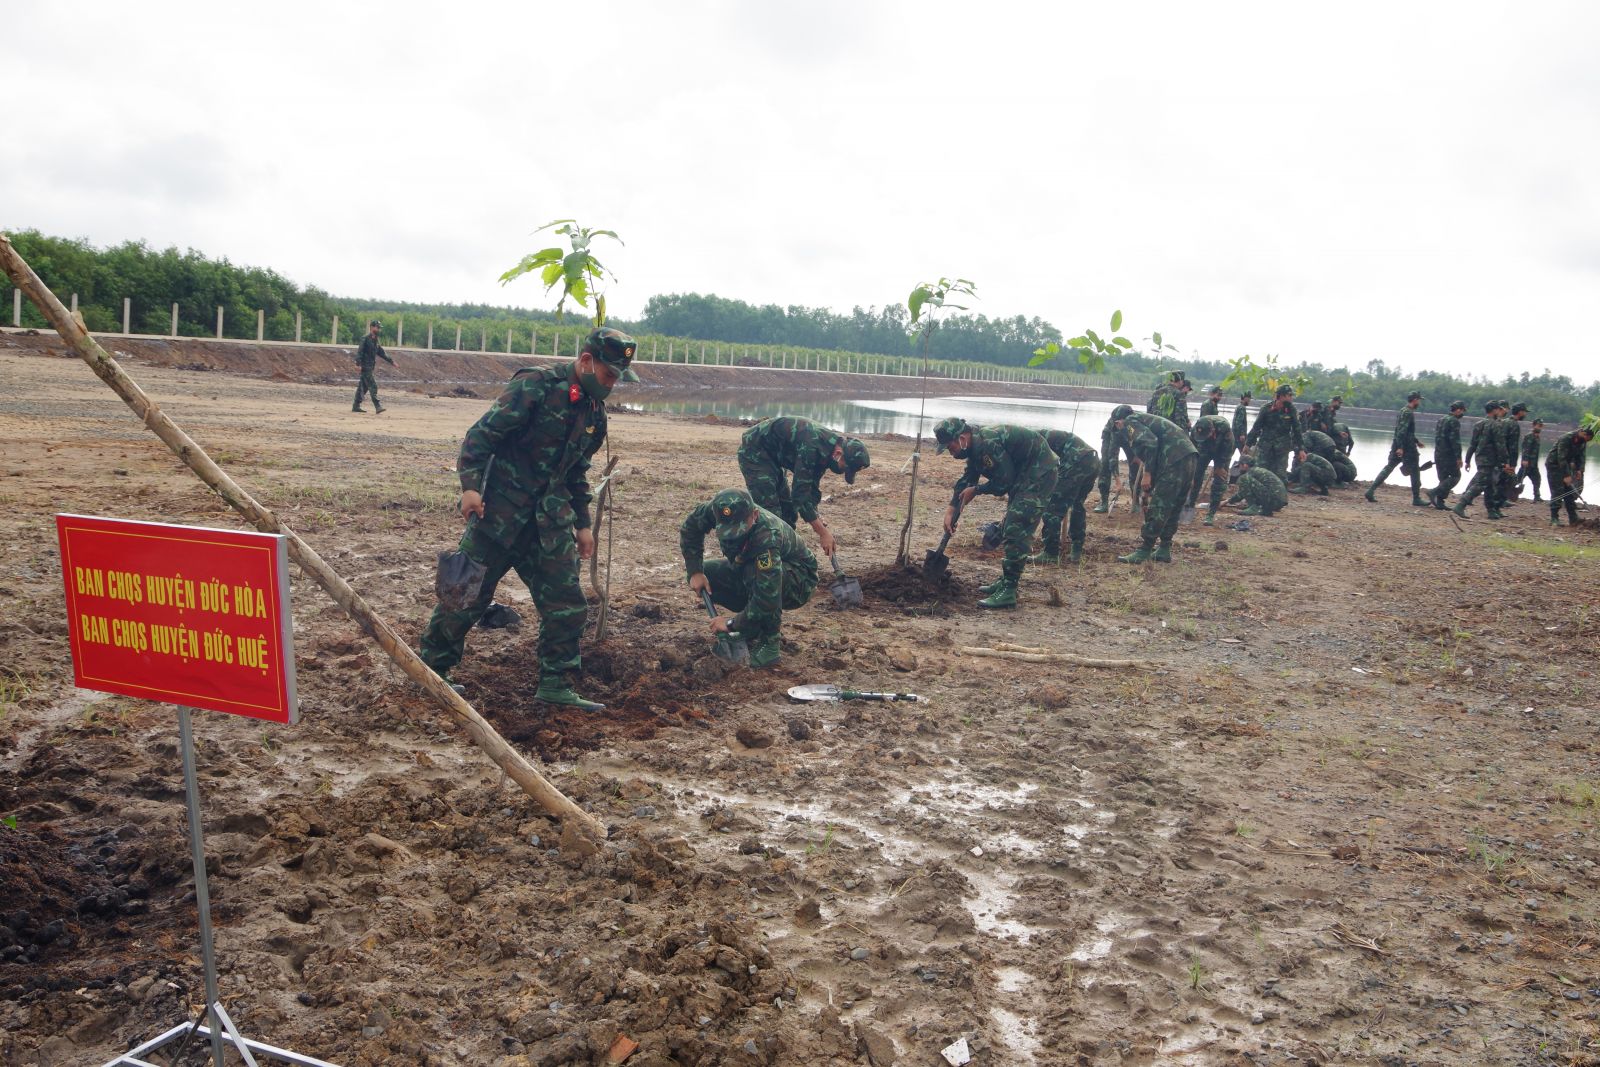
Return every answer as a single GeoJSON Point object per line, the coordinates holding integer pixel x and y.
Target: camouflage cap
{"type": "Point", "coordinates": [1413, 395]}
{"type": "Point", "coordinates": [1519, 408]}
{"type": "Point", "coordinates": [376, 323]}
{"type": "Point", "coordinates": [855, 458]}
{"type": "Point", "coordinates": [1489, 406]}
{"type": "Point", "coordinates": [1214, 390]}
{"type": "Point", "coordinates": [732, 507]}
{"type": "Point", "coordinates": [950, 429]}
{"type": "Point", "coordinates": [612, 347]}
{"type": "Point", "coordinates": [1247, 395]}
{"type": "Point", "coordinates": [1458, 405]}
{"type": "Point", "coordinates": [629, 375]}
{"type": "Point", "coordinates": [1121, 411]}
{"type": "Point", "coordinates": [1284, 390]}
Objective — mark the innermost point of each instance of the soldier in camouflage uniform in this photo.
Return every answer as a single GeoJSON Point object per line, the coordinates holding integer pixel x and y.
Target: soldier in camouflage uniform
{"type": "Point", "coordinates": [1511, 448]}
{"type": "Point", "coordinates": [1563, 470]}
{"type": "Point", "coordinates": [367, 357]}
{"type": "Point", "coordinates": [1277, 433]}
{"type": "Point", "coordinates": [1343, 467]}
{"type": "Point", "coordinates": [1212, 438]}
{"type": "Point", "coordinates": [1330, 417]}
{"type": "Point", "coordinates": [1529, 468]}
{"type": "Point", "coordinates": [1167, 459]}
{"type": "Point", "coordinates": [1489, 440]}
{"type": "Point", "coordinates": [525, 495]}
{"type": "Point", "coordinates": [1403, 452]}
{"type": "Point", "coordinates": [1312, 417]}
{"type": "Point", "coordinates": [767, 571]}
{"type": "Point", "coordinates": [1109, 447]}
{"type": "Point", "coordinates": [1343, 438]}
{"type": "Point", "coordinates": [1447, 454]}
{"type": "Point", "coordinates": [1010, 461]}
{"type": "Point", "coordinates": [1262, 491]}
{"type": "Point", "coordinates": [1321, 444]}
{"type": "Point", "coordinates": [1316, 474]}
{"type": "Point", "coordinates": [1075, 476]}
{"type": "Point", "coordinates": [808, 449]}
{"type": "Point", "coordinates": [1171, 400]}
{"type": "Point", "coordinates": [1241, 420]}
{"type": "Point", "coordinates": [1213, 400]}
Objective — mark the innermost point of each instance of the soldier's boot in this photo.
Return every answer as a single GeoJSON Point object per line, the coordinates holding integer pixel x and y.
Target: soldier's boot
{"type": "Point", "coordinates": [990, 587]}
{"type": "Point", "coordinates": [460, 690]}
{"type": "Point", "coordinates": [1210, 519]}
{"type": "Point", "coordinates": [1372, 494]}
{"type": "Point", "coordinates": [1047, 555]}
{"type": "Point", "coordinates": [1077, 553]}
{"type": "Point", "coordinates": [1433, 498]}
{"type": "Point", "coordinates": [1460, 508]}
{"type": "Point", "coordinates": [765, 652]}
{"type": "Point", "coordinates": [555, 690]}
{"type": "Point", "coordinates": [1141, 554]}
{"type": "Point", "coordinates": [1163, 553]}
{"type": "Point", "coordinates": [1496, 514]}
{"type": "Point", "coordinates": [1416, 499]}
{"type": "Point", "coordinates": [1102, 507]}
{"type": "Point", "coordinates": [1251, 510]}
{"type": "Point", "coordinates": [359, 408]}
{"type": "Point", "coordinates": [1003, 594]}
{"type": "Point", "coordinates": [1555, 520]}
{"type": "Point", "coordinates": [377, 407]}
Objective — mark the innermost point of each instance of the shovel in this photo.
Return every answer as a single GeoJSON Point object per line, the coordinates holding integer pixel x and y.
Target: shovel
{"type": "Point", "coordinates": [833, 692]}
{"type": "Point", "coordinates": [730, 646]}
{"type": "Point", "coordinates": [846, 590]}
{"type": "Point", "coordinates": [936, 564]}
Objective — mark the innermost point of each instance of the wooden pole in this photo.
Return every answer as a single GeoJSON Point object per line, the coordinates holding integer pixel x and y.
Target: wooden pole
{"type": "Point", "coordinates": [512, 762]}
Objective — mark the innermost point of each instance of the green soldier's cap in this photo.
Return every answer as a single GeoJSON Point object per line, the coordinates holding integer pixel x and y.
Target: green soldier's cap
{"type": "Point", "coordinates": [1538, 422]}
{"type": "Point", "coordinates": [1413, 395]}
{"type": "Point", "coordinates": [376, 323]}
{"type": "Point", "coordinates": [1214, 390]}
{"type": "Point", "coordinates": [1247, 395]}
{"type": "Point", "coordinates": [1175, 377]}
{"type": "Point", "coordinates": [732, 506]}
{"type": "Point", "coordinates": [949, 429]}
{"type": "Point", "coordinates": [1246, 461]}
{"type": "Point", "coordinates": [612, 347]}
{"type": "Point", "coordinates": [1459, 405]}
{"type": "Point", "coordinates": [1518, 409]}
{"type": "Point", "coordinates": [855, 458]}
{"type": "Point", "coordinates": [629, 375]}
{"type": "Point", "coordinates": [1284, 390]}
{"type": "Point", "coordinates": [1490, 405]}
{"type": "Point", "coordinates": [1316, 405]}
{"type": "Point", "coordinates": [1340, 399]}
{"type": "Point", "coordinates": [1121, 411]}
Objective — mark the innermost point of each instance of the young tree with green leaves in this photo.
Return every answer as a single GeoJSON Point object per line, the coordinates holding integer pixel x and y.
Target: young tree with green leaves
{"type": "Point", "coordinates": [1091, 350]}
{"type": "Point", "coordinates": [934, 298]}
{"type": "Point", "coordinates": [578, 271]}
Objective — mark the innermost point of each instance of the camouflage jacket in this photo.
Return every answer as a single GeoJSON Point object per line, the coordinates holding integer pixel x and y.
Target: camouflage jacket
{"type": "Point", "coordinates": [1110, 445]}
{"type": "Point", "coordinates": [1566, 457]}
{"type": "Point", "coordinates": [1447, 443]}
{"type": "Point", "coordinates": [1318, 470]}
{"type": "Point", "coordinates": [1510, 440]}
{"type": "Point", "coordinates": [1324, 421]}
{"type": "Point", "coordinates": [1208, 406]}
{"type": "Point", "coordinates": [763, 552]}
{"type": "Point", "coordinates": [1221, 443]}
{"type": "Point", "coordinates": [1077, 457]}
{"type": "Point", "coordinates": [1007, 458]}
{"type": "Point", "coordinates": [1276, 426]}
{"type": "Point", "coordinates": [529, 453]}
{"type": "Point", "coordinates": [370, 352]}
{"type": "Point", "coordinates": [1168, 402]}
{"type": "Point", "coordinates": [1260, 486]}
{"type": "Point", "coordinates": [1530, 450]}
{"type": "Point", "coordinates": [1488, 438]}
{"type": "Point", "coordinates": [1241, 423]}
{"type": "Point", "coordinates": [1320, 444]}
{"type": "Point", "coordinates": [1405, 430]}
{"type": "Point", "coordinates": [799, 445]}
{"type": "Point", "coordinates": [1155, 441]}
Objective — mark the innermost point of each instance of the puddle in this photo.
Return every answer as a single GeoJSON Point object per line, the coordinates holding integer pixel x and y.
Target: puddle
{"type": "Point", "coordinates": [1020, 1036]}
{"type": "Point", "coordinates": [1098, 946]}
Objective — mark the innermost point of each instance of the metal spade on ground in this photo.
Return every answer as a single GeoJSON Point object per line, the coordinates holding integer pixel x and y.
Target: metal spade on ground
{"type": "Point", "coordinates": [846, 591]}
{"type": "Point", "coordinates": [729, 647]}
{"type": "Point", "coordinates": [809, 693]}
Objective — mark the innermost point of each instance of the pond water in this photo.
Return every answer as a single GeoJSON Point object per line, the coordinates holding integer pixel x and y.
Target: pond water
{"type": "Point", "coordinates": [1084, 418]}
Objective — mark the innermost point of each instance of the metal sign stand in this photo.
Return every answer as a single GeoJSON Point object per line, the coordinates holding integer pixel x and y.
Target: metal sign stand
{"type": "Point", "coordinates": [221, 1032]}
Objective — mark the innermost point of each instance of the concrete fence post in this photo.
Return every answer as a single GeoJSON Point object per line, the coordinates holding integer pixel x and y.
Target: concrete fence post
{"type": "Point", "coordinates": [127, 313]}
{"type": "Point", "coordinates": [333, 339]}
{"type": "Point", "coordinates": [430, 335]}
{"type": "Point", "coordinates": [175, 321]}
{"type": "Point", "coordinates": [508, 342]}
{"type": "Point", "coordinates": [219, 322]}
{"type": "Point", "coordinates": [261, 324]}
{"type": "Point", "coordinates": [297, 315]}
{"type": "Point", "coordinates": [400, 332]}
{"type": "Point", "coordinates": [458, 338]}
{"type": "Point", "coordinates": [483, 340]}
{"type": "Point", "coordinates": [670, 345]}
{"type": "Point", "coordinates": [653, 342]}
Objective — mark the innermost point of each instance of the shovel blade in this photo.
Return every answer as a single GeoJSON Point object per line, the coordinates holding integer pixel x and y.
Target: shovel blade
{"type": "Point", "coordinates": [733, 650]}
{"type": "Point", "coordinates": [935, 565]}
{"type": "Point", "coordinates": [846, 593]}
{"type": "Point", "coordinates": [1187, 514]}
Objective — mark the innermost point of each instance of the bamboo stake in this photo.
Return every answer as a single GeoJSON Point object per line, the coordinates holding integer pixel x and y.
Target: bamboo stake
{"type": "Point", "coordinates": [602, 500]}
{"type": "Point", "coordinates": [1044, 655]}
{"type": "Point", "coordinates": [509, 760]}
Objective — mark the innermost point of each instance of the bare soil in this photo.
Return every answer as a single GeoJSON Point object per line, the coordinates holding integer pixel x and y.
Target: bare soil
{"type": "Point", "coordinates": [1349, 817]}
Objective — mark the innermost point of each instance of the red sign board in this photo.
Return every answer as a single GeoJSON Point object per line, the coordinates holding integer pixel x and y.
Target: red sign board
{"type": "Point", "coordinates": [182, 614]}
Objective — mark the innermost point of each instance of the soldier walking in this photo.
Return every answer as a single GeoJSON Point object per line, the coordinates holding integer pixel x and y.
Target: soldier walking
{"type": "Point", "coordinates": [1212, 438]}
{"type": "Point", "coordinates": [1213, 400]}
{"type": "Point", "coordinates": [1075, 476]}
{"type": "Point", "coordinates": [1563, 469]}
{"type": "Point", "coordinates": [1009, 461]}
{"type": "Point", "coordinates": [807, 450]}
{"type": "Point", "coordinates": [1510, 448]}
{"type": "Point", "coordinates": [1276, 433]}
{"type": "Point", "coordinates": [1241, 420]}
{"type": "Point", "coordinates": [1529, 468]}
{"type": "Point", "coordinates": [1171, 400]}
{"type": "Point", "coordinates": [367, 357]}
{"type": "Point", "coordinates": [1493, 464]}
{"type": "Point", "coordinates": [1403, 452]}
{"type": "Point", "coordinates": [1447, 454]}
{"type": "Point", "coordinates": [767, 570]}
{"type": "Point", "coordinates": [525, 495]}
{"type": "Point", "coordinates": [1167, 460]}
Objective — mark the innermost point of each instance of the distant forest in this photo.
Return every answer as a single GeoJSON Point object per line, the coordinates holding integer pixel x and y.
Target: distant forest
{"type": "Point", "coordinates": [155, 279]}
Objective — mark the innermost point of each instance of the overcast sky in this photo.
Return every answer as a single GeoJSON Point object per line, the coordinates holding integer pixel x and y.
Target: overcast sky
{"type": "Point", "coordinates": [1412, 182]}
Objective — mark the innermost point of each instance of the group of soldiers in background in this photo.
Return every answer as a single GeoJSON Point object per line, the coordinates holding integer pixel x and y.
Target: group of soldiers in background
{"type": "Point", "coordinates": [523, 469]}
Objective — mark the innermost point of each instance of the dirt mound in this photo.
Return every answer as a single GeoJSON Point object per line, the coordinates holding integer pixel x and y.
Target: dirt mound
{"type": "Point", "coordinates": [914, 592]}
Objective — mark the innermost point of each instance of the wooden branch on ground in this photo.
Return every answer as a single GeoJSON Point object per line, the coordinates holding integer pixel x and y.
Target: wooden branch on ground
{"type": "Point", "coordinates": [509, 760]}
{"type": "Point", "coordinates": [1045, 655]}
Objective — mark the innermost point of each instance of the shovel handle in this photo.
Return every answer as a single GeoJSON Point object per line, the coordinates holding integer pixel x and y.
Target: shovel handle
{"type": "Point", "coordinates": [711, 609]}
{"type": "Point", "coordinates": [834, 559]}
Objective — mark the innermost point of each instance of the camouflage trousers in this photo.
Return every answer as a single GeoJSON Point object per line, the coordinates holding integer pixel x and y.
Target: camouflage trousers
{"type": "Point", "coordinates": [367, 384]}
{"type": "Point", "coordinates": [731, 586]}
{"type": "Point", "coordinates": [1345, 468]}
{"type": "Point", "coordinates": [548, 566]}
{"type": "Point", "coordinates": [1216, 460]}
{"type": "Point", "coordinates": [1024, 507]}
{"type": "Point", "coordinates": [1167, 493]}
{"type": "Point", "coordinates": [1449, 476]}
{"type": "Point", "coordinates": [1530, 472]}
{"type": "Point", "coordinates": [1274, 456]}
{"type": "Point", "coordinates": [768, 483]}
{"type": "Point", "coordinates": [1487, 483]}
{"type": "Point", "coordinates": [1410, 459]}
{"type": "Point", "coordinates": [1563, 494]}
{"type": "Point", "coordinates": [1072, 489]}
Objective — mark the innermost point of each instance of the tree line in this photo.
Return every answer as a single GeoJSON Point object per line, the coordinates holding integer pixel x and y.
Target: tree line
{"type": "Point", "coordinates": [155, 279]}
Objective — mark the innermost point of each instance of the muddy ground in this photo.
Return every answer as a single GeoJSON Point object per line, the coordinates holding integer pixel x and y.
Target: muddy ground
{"type": "Point", "coordinates": [1347, 816]}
